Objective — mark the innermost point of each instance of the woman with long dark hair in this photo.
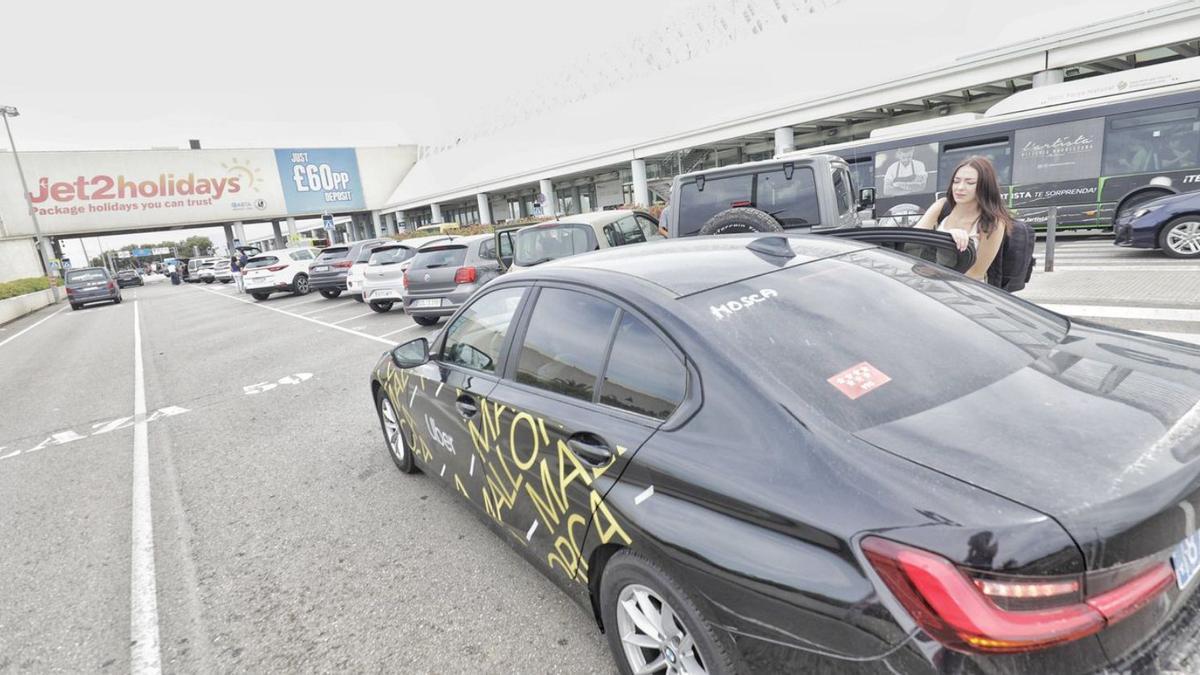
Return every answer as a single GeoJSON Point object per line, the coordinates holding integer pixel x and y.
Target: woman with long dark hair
{"type": "Point", "coordinates": [972, 211]}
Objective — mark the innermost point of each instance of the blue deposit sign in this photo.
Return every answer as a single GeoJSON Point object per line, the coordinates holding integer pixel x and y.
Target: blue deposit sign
{"type": "Point", "coordinates": [320, 179]}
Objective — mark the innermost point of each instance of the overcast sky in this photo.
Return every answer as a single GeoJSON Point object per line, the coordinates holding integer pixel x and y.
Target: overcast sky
{"type": "Point", "coordinates": [141, 74]}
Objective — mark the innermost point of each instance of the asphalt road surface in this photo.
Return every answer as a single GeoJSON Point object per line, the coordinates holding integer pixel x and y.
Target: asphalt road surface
{"type": "Point", "coordinates": [277, 534]}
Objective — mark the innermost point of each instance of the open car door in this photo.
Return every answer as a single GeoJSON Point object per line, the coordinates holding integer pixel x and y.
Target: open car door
{"type": "Point", "coordinates": [929, 245]}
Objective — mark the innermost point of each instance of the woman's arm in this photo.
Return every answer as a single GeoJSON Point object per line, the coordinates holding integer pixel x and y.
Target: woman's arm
{"type": "Point", "coordinates": [929, 220]}
{"type": "Point", "coordinates": [989, 246]}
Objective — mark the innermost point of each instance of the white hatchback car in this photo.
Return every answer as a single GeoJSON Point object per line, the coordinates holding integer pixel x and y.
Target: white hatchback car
{"type": "Point", "coordinates": [281, 271]}
{"type": "Point", "coordinates": [572, 235]}
{"type": "Point", "coordinates": [383, 280]}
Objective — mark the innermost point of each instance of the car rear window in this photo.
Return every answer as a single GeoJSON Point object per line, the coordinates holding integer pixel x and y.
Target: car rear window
{"type": "Point", "coordinates": [391, 256]}
{"type": "Point", "coordinates": [261, 261]}
{"type": "Point", "coordinates": [872, 336]}
{"type": "Point", "coordinates": [75, 276]}
{"type": "Point", "coordinates": [442, 256]}
{"type": "Point", "coordinates": [364, 254]}
{"type": "Point", "coordinates": [542, 243]}
{"type": "Point", "coordinates": [334, 253]}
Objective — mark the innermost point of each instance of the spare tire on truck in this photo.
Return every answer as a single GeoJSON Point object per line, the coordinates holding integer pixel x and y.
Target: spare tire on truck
{"type": "Point", "coordinates": [741, 220]}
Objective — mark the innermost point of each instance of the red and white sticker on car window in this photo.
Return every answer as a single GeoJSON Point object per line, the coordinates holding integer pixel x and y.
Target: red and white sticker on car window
{"type": "Point", "coordinates": [858, 380]}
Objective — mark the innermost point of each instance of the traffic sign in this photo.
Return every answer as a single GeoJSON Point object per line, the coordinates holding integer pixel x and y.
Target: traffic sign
{"type": "Point", "coordinates": [162, 250]}
{"type": "Point", "coordinates": [123, 254]}
{"type": "Point", "coordinates": [327, 221]}
{"type": "Point", "coordinates": [142, 252]}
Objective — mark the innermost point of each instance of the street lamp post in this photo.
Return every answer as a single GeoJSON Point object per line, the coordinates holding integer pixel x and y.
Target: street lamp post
{"type": "Point", "coordinates": [7, 111]}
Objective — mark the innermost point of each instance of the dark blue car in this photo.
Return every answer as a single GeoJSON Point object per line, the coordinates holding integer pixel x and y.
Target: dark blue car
{"type": "Point", "coordinates": [1171, 223]}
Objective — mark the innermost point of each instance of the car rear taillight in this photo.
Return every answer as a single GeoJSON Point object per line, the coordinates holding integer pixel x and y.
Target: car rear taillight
{"type": "Point", "coordinates": [70, 290]}
{"type": "Point", "coordinates": [276, 268]}
{"type": "Point", "coordinates": [345, 264]}
{"type": "Point", "coordinates": [405, 279]}
{"type": "Point", "coordinates": [968, 614]}
{"type": "Point", "coordinates": [111, 286]}
{"type": "Point", "coordinates": [465, 275]}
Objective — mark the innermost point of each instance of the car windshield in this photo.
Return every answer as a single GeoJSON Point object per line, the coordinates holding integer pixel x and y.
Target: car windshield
{"type": "Point", "coordinates": [261, 261]}
{"type": "Point", "coordinates": [334, 253]}
{"type": "Point", "coordinates": [448, 256]}
{"type": "Point", "coordinates": [391, 256]}
{"type": "Point", "coordinates": [75, 276]}
{"type": "Point", "coordinates": [817, 330]}
{"type": "Point", "coordinates": [542, 243]}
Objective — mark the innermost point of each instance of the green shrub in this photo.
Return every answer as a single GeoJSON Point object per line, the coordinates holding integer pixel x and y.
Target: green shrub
{"type": "Point", "coordinates": [11, 289]}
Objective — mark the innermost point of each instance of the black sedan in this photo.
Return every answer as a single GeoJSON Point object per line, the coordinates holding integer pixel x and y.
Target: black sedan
{"type": "Point", "coordinates": [1170, 223]}
{"type": "Point", "coordinates": [764, 453]}
{"type": "Point", "coordinates": [129, 278]}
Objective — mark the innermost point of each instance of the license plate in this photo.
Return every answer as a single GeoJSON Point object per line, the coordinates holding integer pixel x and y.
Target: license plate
{"type": "Point", "coordinates": [432, 302]}
{"type": "Point", "coordinates": [1186, 559]}
{"type": "Point", "coordinates": [321, 268]}
{"type": "Point", "coordinates": [383, 294]}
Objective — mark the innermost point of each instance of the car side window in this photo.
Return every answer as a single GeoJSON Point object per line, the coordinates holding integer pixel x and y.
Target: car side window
{"type": "Point", "coordinates": [487, 249]}
{"type": "Point", "coordinates": [610, 235]}
{"type": "Point", "coordinates": [643, 376]}
{"type": "Point", "coordinates": [560, 352]}
{"type": "Point", "coordinates": [648, 226]}
{"type": "Point", "coordinates": [630, 232]}
{"type": "Point", "coordinates": [474, 339]}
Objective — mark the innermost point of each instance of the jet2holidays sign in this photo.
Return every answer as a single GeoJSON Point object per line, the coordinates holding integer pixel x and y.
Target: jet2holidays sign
{"type": "Point", "coordinates": [320, 180]}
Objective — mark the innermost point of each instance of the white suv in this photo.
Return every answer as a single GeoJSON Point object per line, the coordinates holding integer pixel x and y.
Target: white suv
{"type": "Point", "coordinates": [282, 271]}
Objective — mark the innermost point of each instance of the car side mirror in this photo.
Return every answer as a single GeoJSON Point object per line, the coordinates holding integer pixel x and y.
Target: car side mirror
{"type": "Point", "coordinates": [866, 198]}
{"type": "Point", "coordinates": [411, 354]}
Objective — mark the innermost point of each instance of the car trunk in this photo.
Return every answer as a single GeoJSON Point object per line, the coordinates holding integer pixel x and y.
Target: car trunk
{"type": "Point", "coordinates": [433, 270]}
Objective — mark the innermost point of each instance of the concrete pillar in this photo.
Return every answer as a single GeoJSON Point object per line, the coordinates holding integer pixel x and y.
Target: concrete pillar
{"type": "Point", "coordinates": [377, 229]}
{"type": "Point", "coordinates": [239, 233]}
{"type": "Point", "coordinates": [278, 234]}
{"type": "Point", "coordinates": [641, 191]}
{"type": "Point", "coordinates": [436, 211]}
{"type": "Point", "coordinates": [485, 208]}
{"type": "Point", "coordinates": [785, 140]}
{"type": "Point", "coordinates": [228, 237]}
{"type": "Point", "coordinates": [291, 227]}
{"type": "Point", "coordinates": [550, 202]}
{"type": "Point", "coordinates": [1047, 77]}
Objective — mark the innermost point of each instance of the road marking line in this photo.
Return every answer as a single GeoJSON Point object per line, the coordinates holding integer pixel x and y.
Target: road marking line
{"type": "Point", "coordinates": [643, 496]}
{"type": "Point", "coordinates": [529, 534]}
{"type": "Point", "coordinates": [301, 316]}
{"type": "Point", "coordinates": [1119, 312]}
{"type": "Point", "coordinates": [354, 317]}
{"type": "Point", "coordinates": [412, 398]}
{"type": "Point", "coordinates": [439, 389]}
{"type": "Point", "coordinates": [469, 473]}
{"type": "Point", "coordinates": [143, 621]}
{"type": "Point", "coordinates": [323, 309]}
{"type": "Point", "coordinates": [14, 337]}
{"type": "Point", "coordinates": [400, 331]}
{"type": "Point", "coordinates": [443, 470]}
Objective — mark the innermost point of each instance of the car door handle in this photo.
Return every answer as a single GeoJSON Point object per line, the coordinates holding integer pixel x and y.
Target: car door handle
{"type": "Point", "coordinates": [466, 406]}
{"type": "Point", "coordinates": [590, 448]}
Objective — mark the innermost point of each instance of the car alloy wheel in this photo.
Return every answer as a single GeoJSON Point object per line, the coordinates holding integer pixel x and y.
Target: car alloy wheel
{"type": "Point", "coordinates": [393, 432]}
{"type": "Point", "coordinates": [301, 284]}
{"type": "Point", "coordinates": [1181, 239]}
{"type": "Point", "coordinates": [653, 636]}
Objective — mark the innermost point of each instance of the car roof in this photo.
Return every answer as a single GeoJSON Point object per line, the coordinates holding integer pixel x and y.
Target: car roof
{"type": "Point", "coordinates": [458, 241]}
{"type": "Point", "coordinates": [276, 252]}
{"type": "Point", "coordinates": [696, 264]}
{"type": "Point", "coordinates": [593, 218]}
